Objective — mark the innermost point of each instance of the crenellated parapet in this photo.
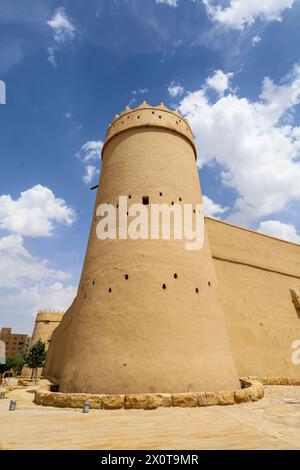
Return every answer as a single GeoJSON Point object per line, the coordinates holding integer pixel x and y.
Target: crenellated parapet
{"type": "Point", "coordinates": [146, 115]}
{"type": "Point", "coordinates": [49, 316]}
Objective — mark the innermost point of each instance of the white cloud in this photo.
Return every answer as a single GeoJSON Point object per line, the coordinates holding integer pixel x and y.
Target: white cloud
{"type": "Point", "coordinates": [63, 31]}
{"type": "Point", "coordinates": [17, 264]}
{"type": "Point", "coordinates": [47, 297]}
{"type": "Point", "coordinates": [91, 150]}
{"type": "Point", "coordinates": [219, 81]}
{"type": "Point", "coordinates": [91, 172]}
{"type": "Point", "coordinates": [256, 40]}
{"type": "Point", "coordinates": [141, 91]}
{"type": "Point", "coordinates": [68, 115]}
{"type": "Point", "coordinates": [34, 213]}
{"type": "Point", "coordinates": [62, 26]}
{"type": "Point", "coordinates": [51, 56]}
{"type": "Point", "coordinates": [240, 13]}
{"type": "Point", "coordinates": [171, 3]}
{"type": "Point", "coordinates": [258, 150]}
{"type": "Point", "coordinates": [213, 209]}
{"type": "Point", "coordinates": [135, 93]}
{"type": "Point", "coordinates": [35, 284]}
{"type": "Point", "coordinates": [175, 90]}
{"type": "Point", "coordinates": [40, 296]}
{"type": "Point", "coordinates": [279, 230]}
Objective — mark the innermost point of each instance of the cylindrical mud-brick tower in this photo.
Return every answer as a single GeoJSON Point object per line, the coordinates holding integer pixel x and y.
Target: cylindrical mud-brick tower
{"type": "Point", "coordinates": [45, 324]}
{"type": "Point", "coordinates": [147, 316]}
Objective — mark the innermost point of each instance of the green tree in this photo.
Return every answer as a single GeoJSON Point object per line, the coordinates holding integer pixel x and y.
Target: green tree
{"type": "Point", "coordinates": [9, 364]}
{"type": "Point", "coordinates": [36, 357]}
{"type": "Point", "coordinates": [21, 360]}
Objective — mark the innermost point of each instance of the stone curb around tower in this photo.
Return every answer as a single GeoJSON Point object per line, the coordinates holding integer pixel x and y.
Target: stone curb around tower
{"type": "Point", "coordinates": [274, 380]}
{"type": "Point", "coordinates": [253, 391]}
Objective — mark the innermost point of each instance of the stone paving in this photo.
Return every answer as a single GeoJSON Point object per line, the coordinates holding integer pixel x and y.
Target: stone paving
{"type": "Point", "coordinates": [271, 423]}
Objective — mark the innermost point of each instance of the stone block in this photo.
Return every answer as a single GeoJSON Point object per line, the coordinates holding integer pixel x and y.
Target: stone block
{"type": "Point", "coordinates": [225, 398]}
{"type": "Point", "coordinates": [202, 399]}
{"type": "Point", "coordinates": [112, 402]}
{"type": "Point", "coordinates": [61, 400]}
{"type": "Point", "coordinates": [295, 381]}
{"type": "Point", "coordinates": [47, 399]}
{"type": "Point", "coordinates": [260, 392]}
{"type": "Point", "coordinates": [187, 400]}
{"type": "Point", "coordinates": [241, 396]}
{"type": "Point", "coordinates": [135, 401]}
{"type": "Point", "coordinates": [94, 401]}
{"type": "Point", "coordinates": [76, 400]}
{"type": "Point", "coordinates": [157, 400]}
{"type": "Point", "coordinates": [211, 398]}
{"type": "Point", "coordinates": [252, 393]}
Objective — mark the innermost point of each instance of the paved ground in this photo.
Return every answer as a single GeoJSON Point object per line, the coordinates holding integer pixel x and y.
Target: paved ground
{"type": "Point", "coordinates": [272, 423]}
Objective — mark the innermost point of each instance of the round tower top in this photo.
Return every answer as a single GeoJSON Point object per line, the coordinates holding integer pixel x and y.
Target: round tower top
{"type": "Point", "coordinates": [146, 115]}
{"type": "Point", "coordinates": [49, 316]}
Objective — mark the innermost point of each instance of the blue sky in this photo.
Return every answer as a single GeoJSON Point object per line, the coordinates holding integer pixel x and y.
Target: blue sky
{"type": "Point", "coordinates": [232, 67]}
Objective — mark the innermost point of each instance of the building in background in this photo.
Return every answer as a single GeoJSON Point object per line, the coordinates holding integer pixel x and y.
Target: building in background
{"type": "Point", "coordinates": [14, 342]}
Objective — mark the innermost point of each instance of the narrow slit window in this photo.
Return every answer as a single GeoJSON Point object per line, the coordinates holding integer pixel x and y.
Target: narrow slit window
{"type": "Point", "coordinates": [145, 200]}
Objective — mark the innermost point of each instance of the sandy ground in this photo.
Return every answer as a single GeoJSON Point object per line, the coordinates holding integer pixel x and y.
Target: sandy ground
{"type": "Point", "coordinates": [272, 423]}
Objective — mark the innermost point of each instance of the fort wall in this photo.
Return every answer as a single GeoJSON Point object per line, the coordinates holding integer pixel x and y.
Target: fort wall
{"type": "Point", "coordinates": [256, 273]}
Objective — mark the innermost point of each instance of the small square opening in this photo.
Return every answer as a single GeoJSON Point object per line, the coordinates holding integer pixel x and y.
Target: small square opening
{"type": "Point", "coordinates": [145, 200]}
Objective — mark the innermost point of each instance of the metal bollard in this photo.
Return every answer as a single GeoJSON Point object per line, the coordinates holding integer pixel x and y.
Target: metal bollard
{"type": "Point", "coordinates": [12, 405]}
{"type": "Point", "coordinates": [2, 395]}
{"type": "Point", "coordinates": [86, 407]}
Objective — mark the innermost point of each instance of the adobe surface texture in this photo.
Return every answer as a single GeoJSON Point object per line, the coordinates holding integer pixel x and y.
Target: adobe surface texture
{"type": "Point", "coordinates": [147, 317]}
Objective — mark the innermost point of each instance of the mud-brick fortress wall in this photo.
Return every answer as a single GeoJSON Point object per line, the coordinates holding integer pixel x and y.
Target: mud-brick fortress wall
{"type": "Point", "coordinates": [255, 274]}
{"type": "Point", "coordinates": [58, 351]}
{"type": "Point", "coordinates": [148, 315]}
{"type": "Point", "coordinates": [45, 324]}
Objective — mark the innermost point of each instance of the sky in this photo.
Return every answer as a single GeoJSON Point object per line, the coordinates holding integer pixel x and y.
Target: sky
{"type": "Point", "coordinates": [231, 67]}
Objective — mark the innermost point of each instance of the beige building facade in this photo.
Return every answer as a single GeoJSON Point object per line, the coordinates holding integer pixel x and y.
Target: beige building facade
{"type": "Point", "coordinates": [150, 316]}
{"type": "Point", "coordinates": [14, 342]}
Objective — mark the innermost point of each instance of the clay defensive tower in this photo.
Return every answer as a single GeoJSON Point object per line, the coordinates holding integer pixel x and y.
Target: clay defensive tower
{"type": "Point", "coordinates": [45, 324]}
{"type": "Point", "coordinates": [148, 315]}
